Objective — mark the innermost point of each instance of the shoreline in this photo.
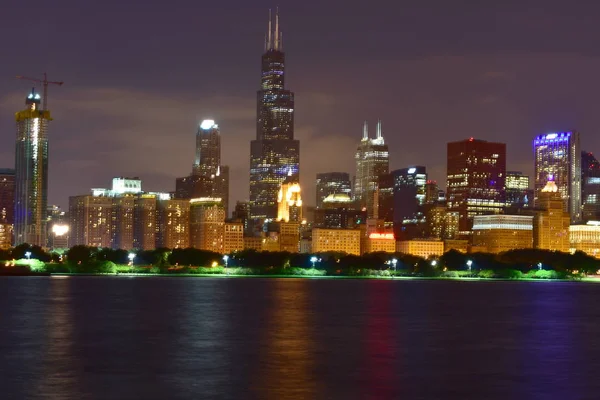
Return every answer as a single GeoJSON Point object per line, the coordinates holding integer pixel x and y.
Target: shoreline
{"type": "Point", "coordinates": [322, 277]}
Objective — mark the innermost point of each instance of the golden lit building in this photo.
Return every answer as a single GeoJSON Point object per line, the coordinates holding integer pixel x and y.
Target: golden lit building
{"type": "Point", "coordinates": [144, 222]}
{"type": "Point", "coordinates": [233, 239]}
{"type": "Point", "coordinates": [460, 245]}
{"type": "Point", "coordinates": [586, 238]}
{"type": "Point", "coordinates": [253, 243]}
{"type": "Point", "coordinates": [424, 248]}
{"type": "Point", "coordinates": [172, 223]}
{"type": "Point", "coordinates": [289, 236]}
{"type": "Point", "coordinates": [551, 223]}
{"type": "Point", "coordinates": [5, 236]}
{"type": "Point", "coordinates": [340, 240]}
{"type": "Point", "coordinates": [270, 242]}
{"type": "Point", "coordinates": [289, 202]}
{"type": "Point", "coordinates": [122, 222]}
{"type": "Point", "coordinates": [499, 233]}
{"type": "Point", "coordinates": [91, 218]}
{"type": "Point", "coordinates": [380, 242]}
{"type": "Point", "coordinates": [207, 224]}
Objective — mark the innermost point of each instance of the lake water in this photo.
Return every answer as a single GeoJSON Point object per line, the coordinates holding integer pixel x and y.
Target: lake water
{"type": "Point", "coordinates": [194, 338]}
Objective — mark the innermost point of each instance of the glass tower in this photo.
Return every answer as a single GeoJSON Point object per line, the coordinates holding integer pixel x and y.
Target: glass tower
{"type": "Point", "coordinates": [372, 161]}
{"type": "Point", "coordinates": [558, 158]}
{"type": "Point", "coordinates": [332, 183]}
{"type": "Point", "coordinates": [274, 155]}
{"type": "Point", "coordinates": [31, 173]}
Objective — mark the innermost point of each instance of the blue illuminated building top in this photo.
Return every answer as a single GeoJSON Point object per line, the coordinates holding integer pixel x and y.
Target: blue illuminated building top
{"type": "Point", "coordinates": [552, 138]}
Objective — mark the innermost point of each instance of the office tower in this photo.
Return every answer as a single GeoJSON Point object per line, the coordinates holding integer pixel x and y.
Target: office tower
{"type": "Point", "coordinates": [57, 236]}
{"type": "Point", "coordinates": [289, 202]}
{"type": "Point", "coordinates": [7, 206]}
{"type": "Point", "coordinates": [233, 238]}
{"type": "Point", "coordinates": [122, 221]}
{"type": "Point", "coordinates": [372, 161]}
{"type": "Point", "coordinates": [409, 194]}
{"type": "Point", "coordinates": [241, 212]}
{"type": "Point", "coordinates": [476, 173]}
{"type": "Point", "coordinates": [551, 221]}
{"type": "Point", "coordinates": [207, 224]}
{"type": "Point", "coordinates": [517, 190]}
{"type": "Point", "coordinates": [585, 238]}
{"type": "Point", "coordinates": [385, 199]}
{"type": "Point", "coordinates": [275, 153]}
{"type": "Point", "coordinates": [432, 192]}
{"type": "Point", "coordinates": [144, 222]}
{"type": "Point", "coordinates": [208, 178]}
{"type": "Point", "coordinates": [590, 186]}
{"type": "Point", "coordinates": [500, 233]}
{"type": "Point", "coordinates": [332, 183]}
{"type": "Point", "coordinates": [336, 240]}
{"type": "Point", "coordinates": [172, 224]}
{"type": "Point", "coordinates": [31, 173]}
{"type": "Point", "coordinates": [558, 158]}
{"type": "Point", "coordinates": [339, 212]}
{"type": "Point", "coordinates": [90, 220]}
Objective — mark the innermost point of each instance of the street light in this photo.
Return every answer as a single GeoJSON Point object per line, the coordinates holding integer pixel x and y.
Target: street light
{"type": "Point", "coordinates": [131, 256]}
{"type": "Point", "coordinates": [28, 255]}
{"type": "Point", "coordinates": [394, 262]}
{"type": "Point", "coordinates": [225, 258]}
{"type": "Point", "coordinates": [313, 260]}
{"type": "Point", "coordinates": [469, 263]}
{"type": "Point", "coordinates": [540, 266]}
{"type": "Point", "coordinates": [433, 263]}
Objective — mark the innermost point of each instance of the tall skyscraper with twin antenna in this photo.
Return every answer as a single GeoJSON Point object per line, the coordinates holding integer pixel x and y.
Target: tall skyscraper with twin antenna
{"type": "Point", "coordinates": [274, 154]}
{"type": "Point", "coordinates": [372, 161]}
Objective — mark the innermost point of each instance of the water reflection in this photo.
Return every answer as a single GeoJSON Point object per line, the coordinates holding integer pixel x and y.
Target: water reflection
{"type": "Point", "coordinates": [287, 359]}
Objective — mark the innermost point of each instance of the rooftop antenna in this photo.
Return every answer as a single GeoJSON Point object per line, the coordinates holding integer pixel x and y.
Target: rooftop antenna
{"type": "Point", "coordinates": [366, 131]}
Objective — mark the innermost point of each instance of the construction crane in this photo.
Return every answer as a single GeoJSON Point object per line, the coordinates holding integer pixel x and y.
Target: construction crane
{"type": "Point", "coordinates": [45, 82]}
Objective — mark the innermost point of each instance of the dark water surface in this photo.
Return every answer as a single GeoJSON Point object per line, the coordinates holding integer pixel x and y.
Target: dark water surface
{"type": "Point", "coordinates": [191, 338]}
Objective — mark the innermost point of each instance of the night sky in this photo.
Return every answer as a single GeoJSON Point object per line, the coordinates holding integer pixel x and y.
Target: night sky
{"type": "Point", "coordinates": [140, 75]}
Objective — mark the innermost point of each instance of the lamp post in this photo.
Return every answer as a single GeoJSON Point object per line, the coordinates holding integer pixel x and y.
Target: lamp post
{"type": "Point", "coordinates": [226, 259]}
{"type": "Point", "coordinates": [433, 263]}
{"type": "Point", "coordinates": [131, 256]}
{"type": "Point", "coordinates": [28, 255]}
{"type": "Point", "coordinates": [313, 260]}
{"type": "Point", "coordinates": [469, 264]}
{"type": "Point", "coordinates": [540, 266]}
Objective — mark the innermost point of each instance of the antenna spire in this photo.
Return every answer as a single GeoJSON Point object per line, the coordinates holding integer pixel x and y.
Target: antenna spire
{"type": "Point", "coordinates": [366, 131]}
{"type": "Point", "coordinates": [270, 38]}
{"type": "Point", "coordinates": [277, 29]}
{"type": "Point", "coordinates": [379, 135]}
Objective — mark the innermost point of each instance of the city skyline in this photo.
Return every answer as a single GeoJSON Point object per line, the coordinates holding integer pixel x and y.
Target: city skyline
{"type": "Point", "coordinates": [121, 100]}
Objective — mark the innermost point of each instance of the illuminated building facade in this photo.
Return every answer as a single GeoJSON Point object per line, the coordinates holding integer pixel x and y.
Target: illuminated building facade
{"type": "Point", "coordinates": [385, 199]}
{"type": "Point", "coordinates": [586, 238]}
{"type": "Point", "coordinates": [517, 190]}
{"type": "Point", "coordinates": [551, 222]}
{"type": "Point", "coordinates": [372, 161]}
{"type": "Point", "coordinates": [90, 221]}
{"type": "Point", "coordinates": [476, 173]}
{"type": "Point", "coordinates": [432, 192]}
{"type": "Point", "coordinates": [289, 202]}
{"type": "Point", "coordinates": [558, 158]}
{"type": "Point", "coordinates": [590, 186]}
{"type": "Point", "coordinates": [207, 224]}
{"type": "Point", "coordinates": [409, 194]}
{"type": "Point", "coordinates": [253, 243]}
{"type": "Point", "coordinates": [144, 222]}
{"type": "Point", "coordinates": [7, 206]}
{"type": "Point", "coordinates": [338, 212]}
{"type": "Point", "coordinates": [499, 233]}
{"type": "Point", "coordinates": [233, 238]}
{"type": "Point", "coordinates": [338, 240]}
{"type": "Point", "coordinates": [380, 242]}
{"type": "Point", "coordinates": [172, 224]}
{"type": "Point", "coordinates": [332, 183]}
{"type": "Point", "coordinates": [208, 178]}
{"type": "Point", "coordinates": [58, 228]}
{"type": "Point", "coordinates": [424, 248]}
{"type": "Point", "coordinates": [31, 173]}
{"type": "Point", "coordinates": [289, 236]}
{"type": "Point", "coordinates": [122, 221]}
{"type": "Point", "coordinates": [275, 153]}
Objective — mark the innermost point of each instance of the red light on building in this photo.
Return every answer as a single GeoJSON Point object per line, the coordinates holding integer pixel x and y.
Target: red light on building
{"type": "Point", "coordinates": [388, 236]}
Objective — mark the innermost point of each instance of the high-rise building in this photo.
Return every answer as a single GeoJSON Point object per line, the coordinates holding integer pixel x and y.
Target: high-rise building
{"type": "Point", "coordinates": [332, 183]}
{"type": "Point", "coordinates": [338, 240]}
{"type": "Point", "coordinates": [31, 173]}
{"type": "Point", "coordinates": [476, 173]}
{"type": "Point", "coordinates": [209, 178]}
{"type": "Point", "coordinates": [7, 206]}
{"type": "Point", "coordinates": [233, 238]}
{"type": "Point", "coordinates": [551, 222]}
{"type": "Point", "coordinates": [432, 192]}
{"type": "Point", "coordinates": [144, 221]}
{"type": "Point", "coordinates": [122, 221]}
{"type": "Point", "coordinates": [409, 194]}
{"type": "Point", "coordinates": [372, 161]}
{"type": "Point", "coordinates": [517, 190]}
{"type": "Point", "coordinates": [385, 199]}
{"type": "Point", "coordinates": [590, 186]}
{"type": "Point", "coordinates": [338, 212]}
{"type": "Point", "coordinates": [500, 233]}
{"type": "Point", "coordinates": [207, 224]}
{"type": "Point", "coordinates": [585, 238]}
{"type": "Point", "coordinates": [275, 153]}
{"type": "Point", "coordinates": [558, 158]}
{"type": "Point", "coordinates": [173, 224]}
{"type": "Point", "coordinates": [289, 202]}
{"type": "Point", "coordinates": [90, 220]}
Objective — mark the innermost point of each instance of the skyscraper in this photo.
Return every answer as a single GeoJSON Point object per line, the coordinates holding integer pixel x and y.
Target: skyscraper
{"type": "Point", "coordinates": [332, 183]}
{"type": "Point", "coordinates": [31, 173]}
{"type": "Point", "coordinates": [372, 161]}
{"type": "Point", "coordinates": [275, 153]}
{"type": "Point", "coordinates": [517, 190]}
{"type": "Point", "coordinates": [7, 206]}
{"type": "Point", "coordinates": [209, 178]}
{"type": "Point", "coordinates": [409, 194]}
{"type": "Point", "coordinates": [558, 158]}
{"type": "Point", "coordinates": [476, 173]}
{"type": "Point", "coordinates": [590, 186]}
